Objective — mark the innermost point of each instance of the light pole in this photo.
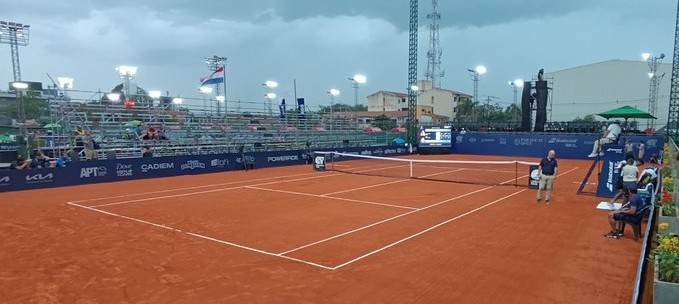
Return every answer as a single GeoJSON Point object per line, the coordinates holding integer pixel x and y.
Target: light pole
{"type": "Point", "coordinates": [475, 73]}
{"type": "Point", "coordinates": [20, 90]}
{"type": "Point", "coordinates": [206, 91]}
{"type": "Point", "coordinates": [357, 79]}
{"type": "Point", "coordinates": [14, 34]}
{"type": "Point", "coordinates": [271, 85]}
{"type": "Point", "coordinates": [127, 73]}
{"type": "Point", "coordinates": [155, 95]}
{"type": "Point", "coordinates": [65, 83]}
{"type": "Point", "coordinates": [654, 85]}
{"type": "Point", "coordinates": [516, 85]}
{"type": "Point", "coordinates": [333, 93]}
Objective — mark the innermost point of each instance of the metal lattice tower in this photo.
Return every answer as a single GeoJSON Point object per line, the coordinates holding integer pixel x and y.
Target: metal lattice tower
{"type": "Point", "coordinates": [213, 63]}
{"type": "Point", "coordinates": [14, 34]}
{"type": "Point", "coordinates": [673, 115]}
{"type": "Point", "coordinates": [434, 72]}
{"type": "Point", "coordinates": [654, 87]}
{"type": "Point", "coordinates": [412, 73]}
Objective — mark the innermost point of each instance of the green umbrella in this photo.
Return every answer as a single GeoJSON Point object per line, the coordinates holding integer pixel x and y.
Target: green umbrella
{"type": "Point", "coordinates": [626, 112]}
{"type": "Point", "coordinates": [134, 123]}
{"type": "Point", "coordinates": [52, 126]}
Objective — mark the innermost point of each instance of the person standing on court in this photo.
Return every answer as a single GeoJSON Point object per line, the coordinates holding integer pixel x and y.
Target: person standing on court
{"type": "Point", "coordinates": [642, 150]}
{"type": "Point", "coordinates": [547, 173]}
{"type": "Point", "coordinates": [610, 136]}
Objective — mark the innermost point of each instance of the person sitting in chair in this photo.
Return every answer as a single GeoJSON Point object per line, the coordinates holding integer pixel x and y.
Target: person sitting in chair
{"type": "Point", "coordinates": [610, 136]}
{"type": "Point", "coordinates": [616, 217]}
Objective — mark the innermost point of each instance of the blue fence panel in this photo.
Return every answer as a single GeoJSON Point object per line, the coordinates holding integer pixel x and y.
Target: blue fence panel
{"type": "Point", "coordinates": [101, 171]}
{"type": "Point", "coordinates": [529, 145]}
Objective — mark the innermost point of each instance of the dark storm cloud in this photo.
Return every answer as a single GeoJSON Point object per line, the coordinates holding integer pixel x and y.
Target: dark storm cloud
{"type": "Point", "coordinates": [457, 13]}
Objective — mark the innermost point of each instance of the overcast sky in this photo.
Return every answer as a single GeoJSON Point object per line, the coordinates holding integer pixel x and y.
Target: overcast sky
{"type": "Point", "coordinates": [321, 43]}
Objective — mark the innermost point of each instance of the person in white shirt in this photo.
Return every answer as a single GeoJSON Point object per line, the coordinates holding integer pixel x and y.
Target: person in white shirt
{"type": "Point", "coordinates": [642, 150]}
{"type": "Point", "coordinates": [611, 135]}
{"type": "Point", "coordinates": [629, 174]}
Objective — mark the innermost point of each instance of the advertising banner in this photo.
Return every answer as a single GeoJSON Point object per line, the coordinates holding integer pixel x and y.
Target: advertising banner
{"type": "Point", "coordinates": [614, 156]}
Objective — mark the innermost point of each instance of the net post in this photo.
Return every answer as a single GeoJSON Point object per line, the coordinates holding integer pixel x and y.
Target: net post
{"type": "Point", "coordinates": [411, 168]}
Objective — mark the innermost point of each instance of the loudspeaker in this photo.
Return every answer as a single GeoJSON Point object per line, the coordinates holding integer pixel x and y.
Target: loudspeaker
{"type": "Point", "coordinates": [526, 106]}
{"type": "Point", "coordinates": [541, 95]}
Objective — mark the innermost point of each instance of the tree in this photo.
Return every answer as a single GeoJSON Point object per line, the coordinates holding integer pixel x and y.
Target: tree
{"type": "Point", "coordinates": [384, 122]}
{"type": "Point", "coordinates": [587, 118]}
{"type": "Point", "coordinates": [34, 107]}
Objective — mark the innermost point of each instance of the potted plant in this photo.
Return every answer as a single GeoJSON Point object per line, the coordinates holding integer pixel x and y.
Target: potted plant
{"type": "Point", "coordinates": [668, 197]}
{"type": "Point", "coordinates": [666, 258]}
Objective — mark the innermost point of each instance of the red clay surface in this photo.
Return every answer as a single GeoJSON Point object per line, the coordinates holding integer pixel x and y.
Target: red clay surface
{"type": "Point", "coordinates": [289, 235]}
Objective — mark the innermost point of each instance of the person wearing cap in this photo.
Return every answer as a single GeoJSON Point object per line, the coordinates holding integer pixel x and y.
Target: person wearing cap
{"type": "Point", "coordinates": [88, 144]}
{"type": "Point", "coordinates": [610, 136]}
{"type": "Point", "coordinates": [20, 164]}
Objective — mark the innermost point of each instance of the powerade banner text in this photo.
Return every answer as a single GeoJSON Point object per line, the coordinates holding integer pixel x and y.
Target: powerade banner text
{"type": "Point", "coordinates": [435, 137]}
{"type": "Point", "coordinates": [100, 171]}
{"type": "Point", "coordinates": [537, 145]}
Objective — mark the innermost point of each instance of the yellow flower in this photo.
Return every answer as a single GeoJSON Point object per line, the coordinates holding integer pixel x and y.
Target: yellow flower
{"type": "Point", "coordinates": [666, 242]}
{"type": "Point", "coordinates": [663, 226]}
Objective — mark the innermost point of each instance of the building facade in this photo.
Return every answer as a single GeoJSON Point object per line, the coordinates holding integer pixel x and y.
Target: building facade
{"type": "Point", "coordinates": [603, 86]}
{"type": "Point", "coordinates": [430, 101]}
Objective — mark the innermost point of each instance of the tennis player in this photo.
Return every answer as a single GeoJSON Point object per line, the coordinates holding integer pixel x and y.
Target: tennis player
{"type": "Point", "coordinates": [547, 172]}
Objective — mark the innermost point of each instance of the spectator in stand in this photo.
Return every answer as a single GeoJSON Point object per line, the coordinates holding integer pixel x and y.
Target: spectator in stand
{"type": "Point", "coordinates": [128, 134]}
{"type": "Point", "coordinates": [146, 152]}
{"type": "Point", "coordinates": [63, 160]}
{"type": "Point", "coordinates": [159, 135]}
{"type": "Point", "coordinates": [149, 135]}
{"type": "Point", "coordinates": [88, 144]}
{"type": "Point", "coordinates": [611, 135]}
{"type": "Point", "coordinates": [20, 164]}
{"type": "Point", "coordinates": [41, 161]}
{"type": "Point", "coordinates": [78, 134]}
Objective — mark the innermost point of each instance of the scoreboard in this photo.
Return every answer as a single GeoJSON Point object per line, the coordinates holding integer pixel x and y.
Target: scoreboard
{"type": "Point", "coordinates": [435, 137]}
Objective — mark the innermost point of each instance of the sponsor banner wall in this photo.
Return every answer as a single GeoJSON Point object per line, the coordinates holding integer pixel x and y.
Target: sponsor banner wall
{"type": "Point", "coordinates": [99, 171]}
{"type": "Point", "coordinates": [568, 146]}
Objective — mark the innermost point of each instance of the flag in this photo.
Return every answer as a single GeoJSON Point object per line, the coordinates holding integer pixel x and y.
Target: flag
{"type": "Point", "coordinates": [282, 109]}
{"type": "Point", "coordinates": [216, 77]}
{"type": "Point", "coordinates": [302, 109]}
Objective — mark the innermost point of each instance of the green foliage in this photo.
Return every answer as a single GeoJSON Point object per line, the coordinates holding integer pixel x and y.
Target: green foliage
{"type": "Point", "coordinates": [383, 122]}
{"type": "Point", "coordinates": [666, 254]}
{"type": "Point", "coordinates": [341, 107]}
{"type": "Point", "coordinates": [587, 118]}
{"type": "Point", "coordinates": [33, 107]}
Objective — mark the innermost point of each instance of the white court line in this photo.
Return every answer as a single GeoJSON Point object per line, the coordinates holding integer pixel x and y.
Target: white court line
{"type": "Point", "coordinates": [401, 215]}
{"type": "Point", "coordinates": [425, 231]}
{"type": "Point", "coordinates": [186, 188]}
{"type": "Point", "coordinates": [386, 220]}
{"type": "Point", "coordinates": [472, 169]}
{"type": "Point", "coordinates": [206, 191]}
{"type": "Point", "coordinates": [329, 197]}
{"type": "Point", "coordinates": [388, 183]}
{"type": "Point", "coordinates": [202, 236]}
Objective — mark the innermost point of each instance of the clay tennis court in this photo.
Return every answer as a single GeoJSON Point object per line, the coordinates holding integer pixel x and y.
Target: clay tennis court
{"type": "Point", "coordinates": [291, 235]}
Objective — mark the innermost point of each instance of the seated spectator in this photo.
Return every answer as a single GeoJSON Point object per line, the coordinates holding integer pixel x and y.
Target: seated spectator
{"type": "Point", "coordinates": [128, 134]}
{"type": "Point", "coordinates": [41, 161]}
{"type": "Point", "coordinates": [20, 164]}
{"type": "Point", "coordinates": [649, 175]}
{"type": "Point", "coordinates": [159, 136]}
{"type": "Point", "coordinates": [62, 160]}
{"type": "Point", "coordinates": [149, 135]}
{"type": "Point", "coordinates": [146, 152]}
{"type": "Point", "coordinates": [616, 217]}
{"type": "Point", "coordinates": [610, 136]}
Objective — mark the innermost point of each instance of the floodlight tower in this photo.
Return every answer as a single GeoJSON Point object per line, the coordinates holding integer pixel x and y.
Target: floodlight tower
{"type": "Point", "coordinates": [14, 34]}
{"type": "Point", "coordinates": [412, 72]}
{"type": "Point", "coordinates": [673, 111]}
{"type": "Point", "coordinates": [654, 85]}
{"type": "Point", "coordinates": [434, 72]}
{"type": "Point", "coordinates": [127, 73]}
{"type": "Point", "coordinates": [213, 64]}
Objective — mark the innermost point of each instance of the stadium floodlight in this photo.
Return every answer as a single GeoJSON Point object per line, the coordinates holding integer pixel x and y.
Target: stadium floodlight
{"type": "Point", "coordinates": [518, 83]}
{"type": "Point", "coordinates": [220, 98]}
{"type": "Point", "coordinates": [646, 56]}
{"type": "Point", "coordinates": [177, 100]}
{"type": "Point", "coordinates": [15, 34]}
{"type": "Point", "coordinates": [205, 90]}
{"type": "Point", "coordinates": [113, 96]}
{"type": "Point", "coordinates": [271, 84]}
{"type": "Point", "coordinates": [480, 69]}
{"type": "Point", "coordinates": [20, 85]}
{"type": "Point", "coordinates": [270, 95]}
{"type": "Point", "coordinates": [65, 83]}
{"type": "Point", "coordinates": [358, 78]}
{"type": "Point", "coordinates": [126, 70]}
{"type": "Point", "coordinates": [155, 94]}
{"type": "Point", "coordinates": [650, 75]}
{"type": "Point", "coordinates": [414, 88]}
{"type": "Point", "coordinates": [334, 92]}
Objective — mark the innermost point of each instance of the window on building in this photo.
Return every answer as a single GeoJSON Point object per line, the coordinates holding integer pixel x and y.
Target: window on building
{"type": "Point", "coordinates": [432, 100]}
{"type": "Point", "coordinates": [454, 109]}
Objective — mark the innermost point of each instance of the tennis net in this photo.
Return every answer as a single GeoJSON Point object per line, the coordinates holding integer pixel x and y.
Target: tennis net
{"type": "Point", "coordinates": [515, 173]}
